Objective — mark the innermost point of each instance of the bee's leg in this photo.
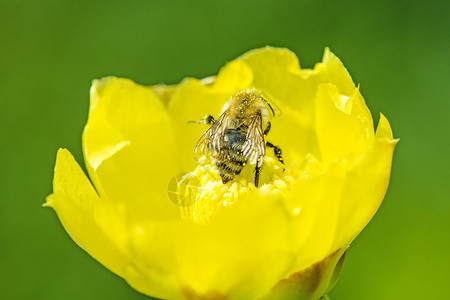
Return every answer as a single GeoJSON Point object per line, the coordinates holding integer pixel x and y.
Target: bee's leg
{"type": "Point", "coordinates": [266, 131]}
{"type": "Point", "coordinates": [257, 170]}
{"type": "Point", "coordinates": [208, 120]}
{"type": "Point", "coordinates": [277, 151]}
{"type": "Point", "coordinates": [258, 167]}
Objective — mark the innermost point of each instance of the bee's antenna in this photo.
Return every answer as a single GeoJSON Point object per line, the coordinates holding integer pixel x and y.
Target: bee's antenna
{"type": "Point", "coordinates": [268, 103]}
{"type": "Point", "coordinates": [271, 108]}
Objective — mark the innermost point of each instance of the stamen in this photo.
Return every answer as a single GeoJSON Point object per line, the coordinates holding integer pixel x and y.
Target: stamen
{"type": "Point", "coordinates": [205, 194]}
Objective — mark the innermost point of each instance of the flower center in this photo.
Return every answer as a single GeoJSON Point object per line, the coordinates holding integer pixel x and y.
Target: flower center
{"type": "Point", "coordinates": [201, 193]}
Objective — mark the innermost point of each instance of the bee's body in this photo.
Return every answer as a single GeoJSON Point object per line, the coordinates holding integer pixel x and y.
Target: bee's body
{"type": "Point", "coordinates": [237, 137]}
{"type": "Point", "coordinates": [230, 160]}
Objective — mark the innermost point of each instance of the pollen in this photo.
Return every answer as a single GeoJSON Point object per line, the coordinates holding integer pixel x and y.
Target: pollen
{"type": "Point", "coordinates": [205, 195]}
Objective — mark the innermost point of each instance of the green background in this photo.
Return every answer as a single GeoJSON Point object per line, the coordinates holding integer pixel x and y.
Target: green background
{"type": "Point", "coordinates": [51, 50]}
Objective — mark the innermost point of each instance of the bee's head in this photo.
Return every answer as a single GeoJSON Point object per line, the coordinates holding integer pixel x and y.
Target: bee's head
{"type": "Point", "coordinates": [245, 104]}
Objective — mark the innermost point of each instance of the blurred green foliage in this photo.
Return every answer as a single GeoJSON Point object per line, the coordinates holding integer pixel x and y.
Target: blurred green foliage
{"type": "Point", "coordinates": [51, 50]}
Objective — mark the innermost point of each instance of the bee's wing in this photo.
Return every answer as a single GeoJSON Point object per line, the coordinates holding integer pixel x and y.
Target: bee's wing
{"type": "Point", "coordinates": [212, 139]}
{"type": "Point", "coordinates": [254, 147]}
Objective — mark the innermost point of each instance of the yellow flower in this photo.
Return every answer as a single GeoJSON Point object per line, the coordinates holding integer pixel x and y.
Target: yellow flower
{"type": "Point", "coordinates": [283, 240]}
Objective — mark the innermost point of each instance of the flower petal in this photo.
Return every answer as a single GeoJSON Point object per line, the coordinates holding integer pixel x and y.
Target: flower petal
{"type": "Point", "coordinates": [315, 203]}
{"type": "Point", "coordinates": [331, 212]}
{"type": "Point", "coordinates": [230, 256]}
{"type": "Point", "coordinates": [294, 134]}
{"type": "Point", "coordinates": [84, 215]}
{"type": "Point", "coordinates": [366, 184]}
{"type": "Point", "coordinates": [343, 124]}
{"type": "Point", "coordinates": [129, 147]}
{"type": "Point", "coordinates": [384, 130]}
{"type": "Point", "coordinates": [332, 71]}
{"type": "Point", "coordinates": [164, 92]}
{"type": "Point", "coordinates": [233, 77]}
{"type": "Point", "coordinates": [277, 72]}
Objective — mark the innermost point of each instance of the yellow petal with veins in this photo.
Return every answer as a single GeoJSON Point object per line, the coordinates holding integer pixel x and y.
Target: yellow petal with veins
{"type": "Point", "coordinates": [90, 222]}
{"type": "Point", "coordinates": [332, 71]}
{"type": "Point", "coordinates": [277, 72]}
{"type": "Point", "coordinates": [214, 259]}
{"type": "Point", "coordinates": [344, 126]}
{"type": "Point", "coordinates": [129, 147]}
{"type": "Point", "coordinates": [366, 184]}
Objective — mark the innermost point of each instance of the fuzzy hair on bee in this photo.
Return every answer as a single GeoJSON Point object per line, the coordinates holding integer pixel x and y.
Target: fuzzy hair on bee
{"type": "Point", "coordinates": [236, 138]}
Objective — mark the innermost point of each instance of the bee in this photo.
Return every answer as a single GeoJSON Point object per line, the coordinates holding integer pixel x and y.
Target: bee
{"type": "Point", "coordinates": [236, 138]}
